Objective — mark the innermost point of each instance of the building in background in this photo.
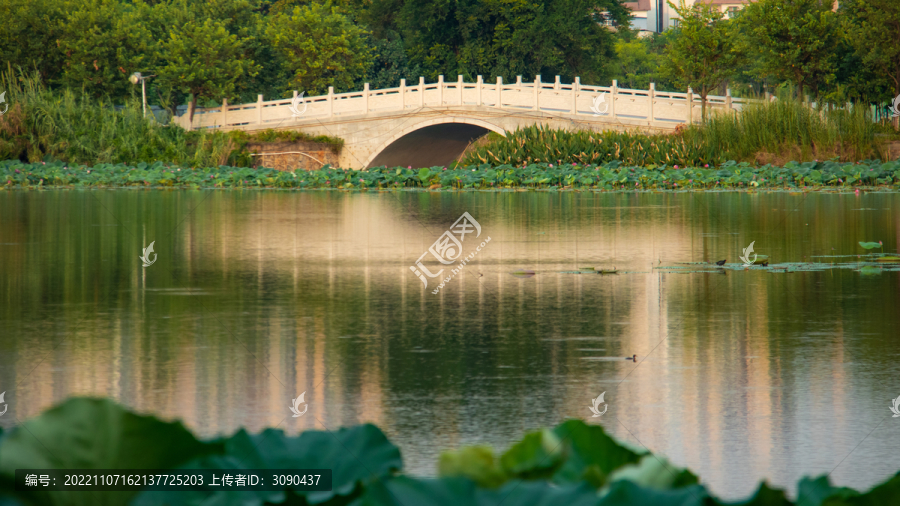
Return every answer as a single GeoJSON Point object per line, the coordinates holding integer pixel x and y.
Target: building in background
{"type": "Point", "coordinates": [656, 16]}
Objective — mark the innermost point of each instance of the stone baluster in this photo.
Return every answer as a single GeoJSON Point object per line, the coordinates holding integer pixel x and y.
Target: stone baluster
{"type": "Point", "coordinates": [614, 95]}
{"type": "Point", "coordinates": [366, 98]}
{"type": "Point", "coordinates": [478, 84]}
{"type": "Point", "coordinates": [331, 101]}
{"type": "Point", "coordinates": [421, 92]}
{"type": "Point", "coordinates": [259, 109]}
{"type": "Point", "coordinates": [575, 86]}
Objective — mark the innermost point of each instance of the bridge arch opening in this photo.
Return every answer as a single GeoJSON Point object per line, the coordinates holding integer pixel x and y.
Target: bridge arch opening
{"type": "Point", "coordinates": [430, 145]}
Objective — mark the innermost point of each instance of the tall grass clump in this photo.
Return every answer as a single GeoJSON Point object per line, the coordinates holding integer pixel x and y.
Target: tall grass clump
{"type": "Point", "coordinates": [74, 127]}
{"type": "Point", "coordinates": [539, 144]}
{"type": "Point", "coordinates": [787, 129]}
{"type": "Point", "coordinates": [764, 132]}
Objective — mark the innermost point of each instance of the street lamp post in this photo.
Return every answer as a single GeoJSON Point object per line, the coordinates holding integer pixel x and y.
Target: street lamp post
{"type": "Point", "coordinates": [135, 78]}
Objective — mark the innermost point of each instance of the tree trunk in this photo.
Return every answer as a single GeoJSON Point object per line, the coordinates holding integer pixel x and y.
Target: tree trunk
{"type": "Point", "coordinates": [703, 93]}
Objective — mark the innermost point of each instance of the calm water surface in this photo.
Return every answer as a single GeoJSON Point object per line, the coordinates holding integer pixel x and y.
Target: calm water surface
{"type": "Point", "coordinates": [257, 296]}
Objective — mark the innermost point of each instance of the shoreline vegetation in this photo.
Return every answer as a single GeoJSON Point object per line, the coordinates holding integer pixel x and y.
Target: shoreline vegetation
{"type": "Point", "coordinates": [572, 463]}
{"type": "Point", "coordinates": [612, 176]}
{"type": "Point", "coordinates": [70, 139]}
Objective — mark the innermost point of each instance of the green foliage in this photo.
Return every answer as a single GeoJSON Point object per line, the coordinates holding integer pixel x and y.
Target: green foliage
{"type": "Point", "coordinates": [873, 27]}
{"type": "Point", "coordinates": [320, 47]}
{"type": "Point", "coordinates": [390, 63]}
{"type": "Point", "coordinates": [871, 245]}
{"type": "Point", "coordinates": [270, 135]}
{"type": "Point", "coordinates": [703, 52]}
{"type": "Point", "coordinates": [41, 124]}
{"type": "Point", "coordinates": [786, 128]}
{"type": "Point", "coordinates": [29, 33]}
{"type": "Point", "coordinates": [637, 66]}
{"type": "Point", "coordinates": [205, 60]}
{"type": "Point", "coordinates": [103, 43]}
{"type": "Point", "coordinates": [98, 434]}
{"type": "Point", "coordinates": [539, 176]}
{"type": "Point", "coordinates": [503, 39]}
{"type": "Point", "coordinates": [793, 40]}
{"type": "Point", "coordinates": [355, 455]}
{"type": "Point", "coordinates": [474, 462]}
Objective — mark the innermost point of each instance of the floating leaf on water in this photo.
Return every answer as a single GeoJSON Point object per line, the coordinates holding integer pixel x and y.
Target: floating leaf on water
{"type": "Point", "coordinates": [888, 259]}
{"type": "Point", "coordinates": [607, 271]}
{"type": "Point", "coordinates": [869, 270]}
{"type": "Point", "coordinates": [521, 273]}
{"type": "Point", "coordinates": [870, 245]}
{"type": "Point", "coordinates": [587, 268]}
{"type": "Point", "coordinates": [761, 259]}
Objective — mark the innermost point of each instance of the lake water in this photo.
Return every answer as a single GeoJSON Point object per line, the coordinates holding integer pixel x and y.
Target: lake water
{"type": "Point", "coordinates": [258, 296]}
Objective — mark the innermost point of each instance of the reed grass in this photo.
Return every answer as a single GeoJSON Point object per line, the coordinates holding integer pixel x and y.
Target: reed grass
{"type": "Point", "coordinates": [72, 126]}
{"type": "Point", "coordinates": [764, 132]}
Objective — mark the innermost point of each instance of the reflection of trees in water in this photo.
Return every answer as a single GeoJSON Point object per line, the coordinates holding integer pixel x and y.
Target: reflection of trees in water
{"type": "Point", "coordinates": [287, 276]}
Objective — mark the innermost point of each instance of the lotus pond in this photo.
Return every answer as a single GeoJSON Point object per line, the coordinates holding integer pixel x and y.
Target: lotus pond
{"type": "Point", "coordinates": [774, 371]}
{"type": "Point", "coordinates": [612, 176]}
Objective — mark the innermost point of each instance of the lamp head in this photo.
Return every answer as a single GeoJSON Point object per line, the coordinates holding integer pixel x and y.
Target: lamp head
{"type": "Point", "coordinates": [135, 78]}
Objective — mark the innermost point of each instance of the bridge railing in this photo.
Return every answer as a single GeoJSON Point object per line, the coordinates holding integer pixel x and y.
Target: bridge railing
{"type": "Point", "coordinates": [591, 103]}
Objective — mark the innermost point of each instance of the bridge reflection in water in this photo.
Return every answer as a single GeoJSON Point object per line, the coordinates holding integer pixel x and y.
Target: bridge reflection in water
{"type": "Point", "coordinates": [259, 296]}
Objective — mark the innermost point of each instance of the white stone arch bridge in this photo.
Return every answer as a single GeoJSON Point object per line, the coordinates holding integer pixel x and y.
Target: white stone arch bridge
{"type": "Point", "coordinates": [426, 125]}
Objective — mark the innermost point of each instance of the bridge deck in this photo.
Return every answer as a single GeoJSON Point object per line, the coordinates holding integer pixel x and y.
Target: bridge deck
{"type": "Point", "coordinates": [601, 104]}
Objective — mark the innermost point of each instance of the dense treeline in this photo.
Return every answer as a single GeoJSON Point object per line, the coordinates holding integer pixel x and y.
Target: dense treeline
{"type": "Point", "coordinates": [830, 56]}
{"type": "Point", "coordinates": [214, 49]}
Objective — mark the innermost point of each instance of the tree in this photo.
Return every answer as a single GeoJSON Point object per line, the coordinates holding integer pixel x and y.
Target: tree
{"type": "Point", "coordinates": [638, 62]}
{"type": "Point", "coordinates": [873, 28]}
{"type": "Point", "coordinates": [390, 63]}
{"type": "Point", "coordinates": [103, 42]}
{"type": "Point", "coordinates": [319, 47]}
{"type": "Point", "coordinates": [504, 38]}
{"type": "Point", "coordinates": [28, 36]}
{"type": "Point", "coordinates": [793, 40]}
{"type": "Point", "coordinates": [203, 59]}
{"type": "Point", "coordinates": [702, 53]}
